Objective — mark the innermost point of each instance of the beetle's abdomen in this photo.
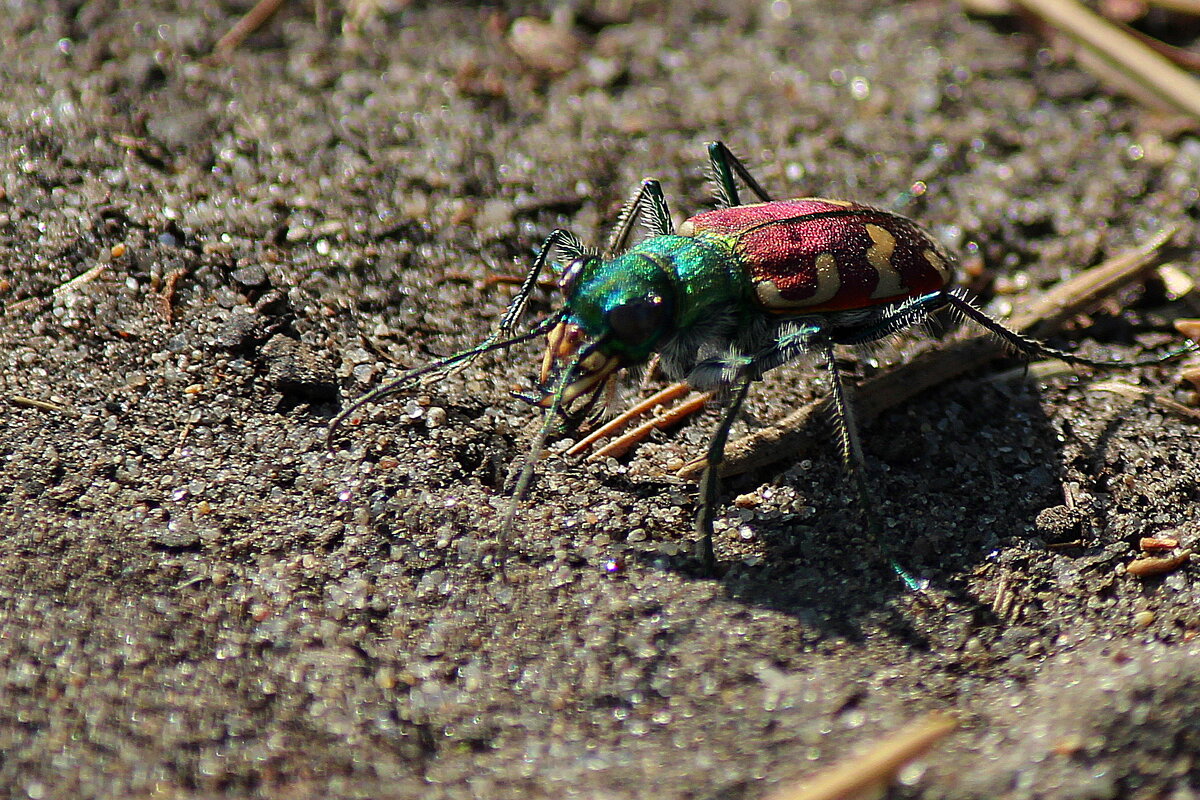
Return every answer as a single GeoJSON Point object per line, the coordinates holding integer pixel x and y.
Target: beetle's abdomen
{"type": "Point", "coordinates": [814, 255]}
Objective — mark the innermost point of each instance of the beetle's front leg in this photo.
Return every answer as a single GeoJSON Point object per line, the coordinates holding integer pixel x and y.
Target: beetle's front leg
{"type": "Point", "coordinates": [559, 239]}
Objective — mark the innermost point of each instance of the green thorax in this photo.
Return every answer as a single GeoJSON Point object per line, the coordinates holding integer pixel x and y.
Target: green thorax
{"type": "Point", "coordinates": [697, 274]}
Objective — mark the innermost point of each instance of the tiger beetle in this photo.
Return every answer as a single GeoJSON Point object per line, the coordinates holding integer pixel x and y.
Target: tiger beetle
{"type": "Point", "coordinates": [728, 295]}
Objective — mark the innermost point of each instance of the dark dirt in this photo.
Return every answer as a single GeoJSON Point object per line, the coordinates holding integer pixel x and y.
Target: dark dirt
{"type": "Point", "coordinates": [198, 599]}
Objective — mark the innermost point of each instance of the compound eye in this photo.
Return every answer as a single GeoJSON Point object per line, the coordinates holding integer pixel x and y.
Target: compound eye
{"type": "Point", "coordinates": [634, 322]}
{"type": "Point", "coordinates": [570, 276]}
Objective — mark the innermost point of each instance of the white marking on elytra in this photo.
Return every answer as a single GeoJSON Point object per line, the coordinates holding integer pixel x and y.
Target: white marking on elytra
{"type": "Point", "coordinates": [829, 283]}
{"type": "Point", "coordinates": [879, 256]}
{"type": "Point", "coordinates": [686, 228]}
{"type": "Point", "coordinates": [938, 263]}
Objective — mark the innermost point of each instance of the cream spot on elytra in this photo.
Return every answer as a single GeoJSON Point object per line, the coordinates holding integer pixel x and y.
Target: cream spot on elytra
{"type": "Point", "coordinates": [879, 256]}
{"type": "Point", "coordinates": [829, 283]}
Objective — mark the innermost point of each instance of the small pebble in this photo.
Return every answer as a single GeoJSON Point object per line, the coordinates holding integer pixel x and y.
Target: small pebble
{"type": "Point", "coordinates": [747, 500]}
{"type": "Point", "coordinates": [1189, 328]}
{"type": "Point", "coordinates": [251, 277]}
{"type": "Point", "coordinates": [544, 46]}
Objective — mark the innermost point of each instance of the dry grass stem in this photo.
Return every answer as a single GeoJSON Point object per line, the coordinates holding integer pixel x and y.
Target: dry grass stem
{"type": "Point", "coordinates": [254, 19]}
{"type": "Point", "coordinates": [1138, 393]}
{"type": "Point", "coordinates": [29, 402]}
{"type": "Point", "coordinates": [1134, 61]}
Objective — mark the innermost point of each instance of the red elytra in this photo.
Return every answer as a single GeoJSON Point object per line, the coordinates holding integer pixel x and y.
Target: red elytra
{"type": "Point", "coordinates": [815, 255]}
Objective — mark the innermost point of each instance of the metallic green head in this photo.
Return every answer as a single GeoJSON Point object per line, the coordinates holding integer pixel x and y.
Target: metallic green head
{"type": "Point", "coordinates": [617, 313]}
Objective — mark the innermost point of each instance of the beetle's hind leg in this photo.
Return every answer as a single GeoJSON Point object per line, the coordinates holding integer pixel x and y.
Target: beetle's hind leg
{"type": "Point", "coordinates": [918, 310]}
{"type": "Point", "coordinates": [723, 166]}
{"type": "Point", "coordinates": [855, 464]}
{"type": "Point", "coordinates": [1033, 348]}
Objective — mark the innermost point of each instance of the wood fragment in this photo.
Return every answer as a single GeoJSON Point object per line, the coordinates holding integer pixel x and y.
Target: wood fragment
{"type": "Point", "coordinates": [1189, 328]}
{"type": "Point", "coordinates": [1004, 603]}
{"type": "Point", "coordinates": [795, 434]}
{"type": "Point", "coordinates": [1151, 543]}
{"type": "Point", "coordinates": [1065, 545]}
{"type": "Point", "coordinates": [1152, 566]}
{"type": "Point", "coordinates": [167, 297]}
{"type": "Point", "coordinates": [874, 768]}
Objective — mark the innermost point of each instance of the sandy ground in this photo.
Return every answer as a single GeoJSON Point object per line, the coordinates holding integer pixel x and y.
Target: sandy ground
{"type": "Point", "coordinates": [198, 599]}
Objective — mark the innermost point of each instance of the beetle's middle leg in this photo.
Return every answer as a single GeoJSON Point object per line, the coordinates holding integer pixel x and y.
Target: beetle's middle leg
{"type": "Point", "coordinates": [710, 478]}
{"type": "Point", "coordinates": [648, 205]}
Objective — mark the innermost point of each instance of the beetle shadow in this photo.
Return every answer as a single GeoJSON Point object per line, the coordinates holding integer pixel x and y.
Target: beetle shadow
{"type": "Point", "coordinates": [955, 474]}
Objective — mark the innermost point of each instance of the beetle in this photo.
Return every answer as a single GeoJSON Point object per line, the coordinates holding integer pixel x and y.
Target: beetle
{"type": "Point", "coordinates": [727, 296]}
